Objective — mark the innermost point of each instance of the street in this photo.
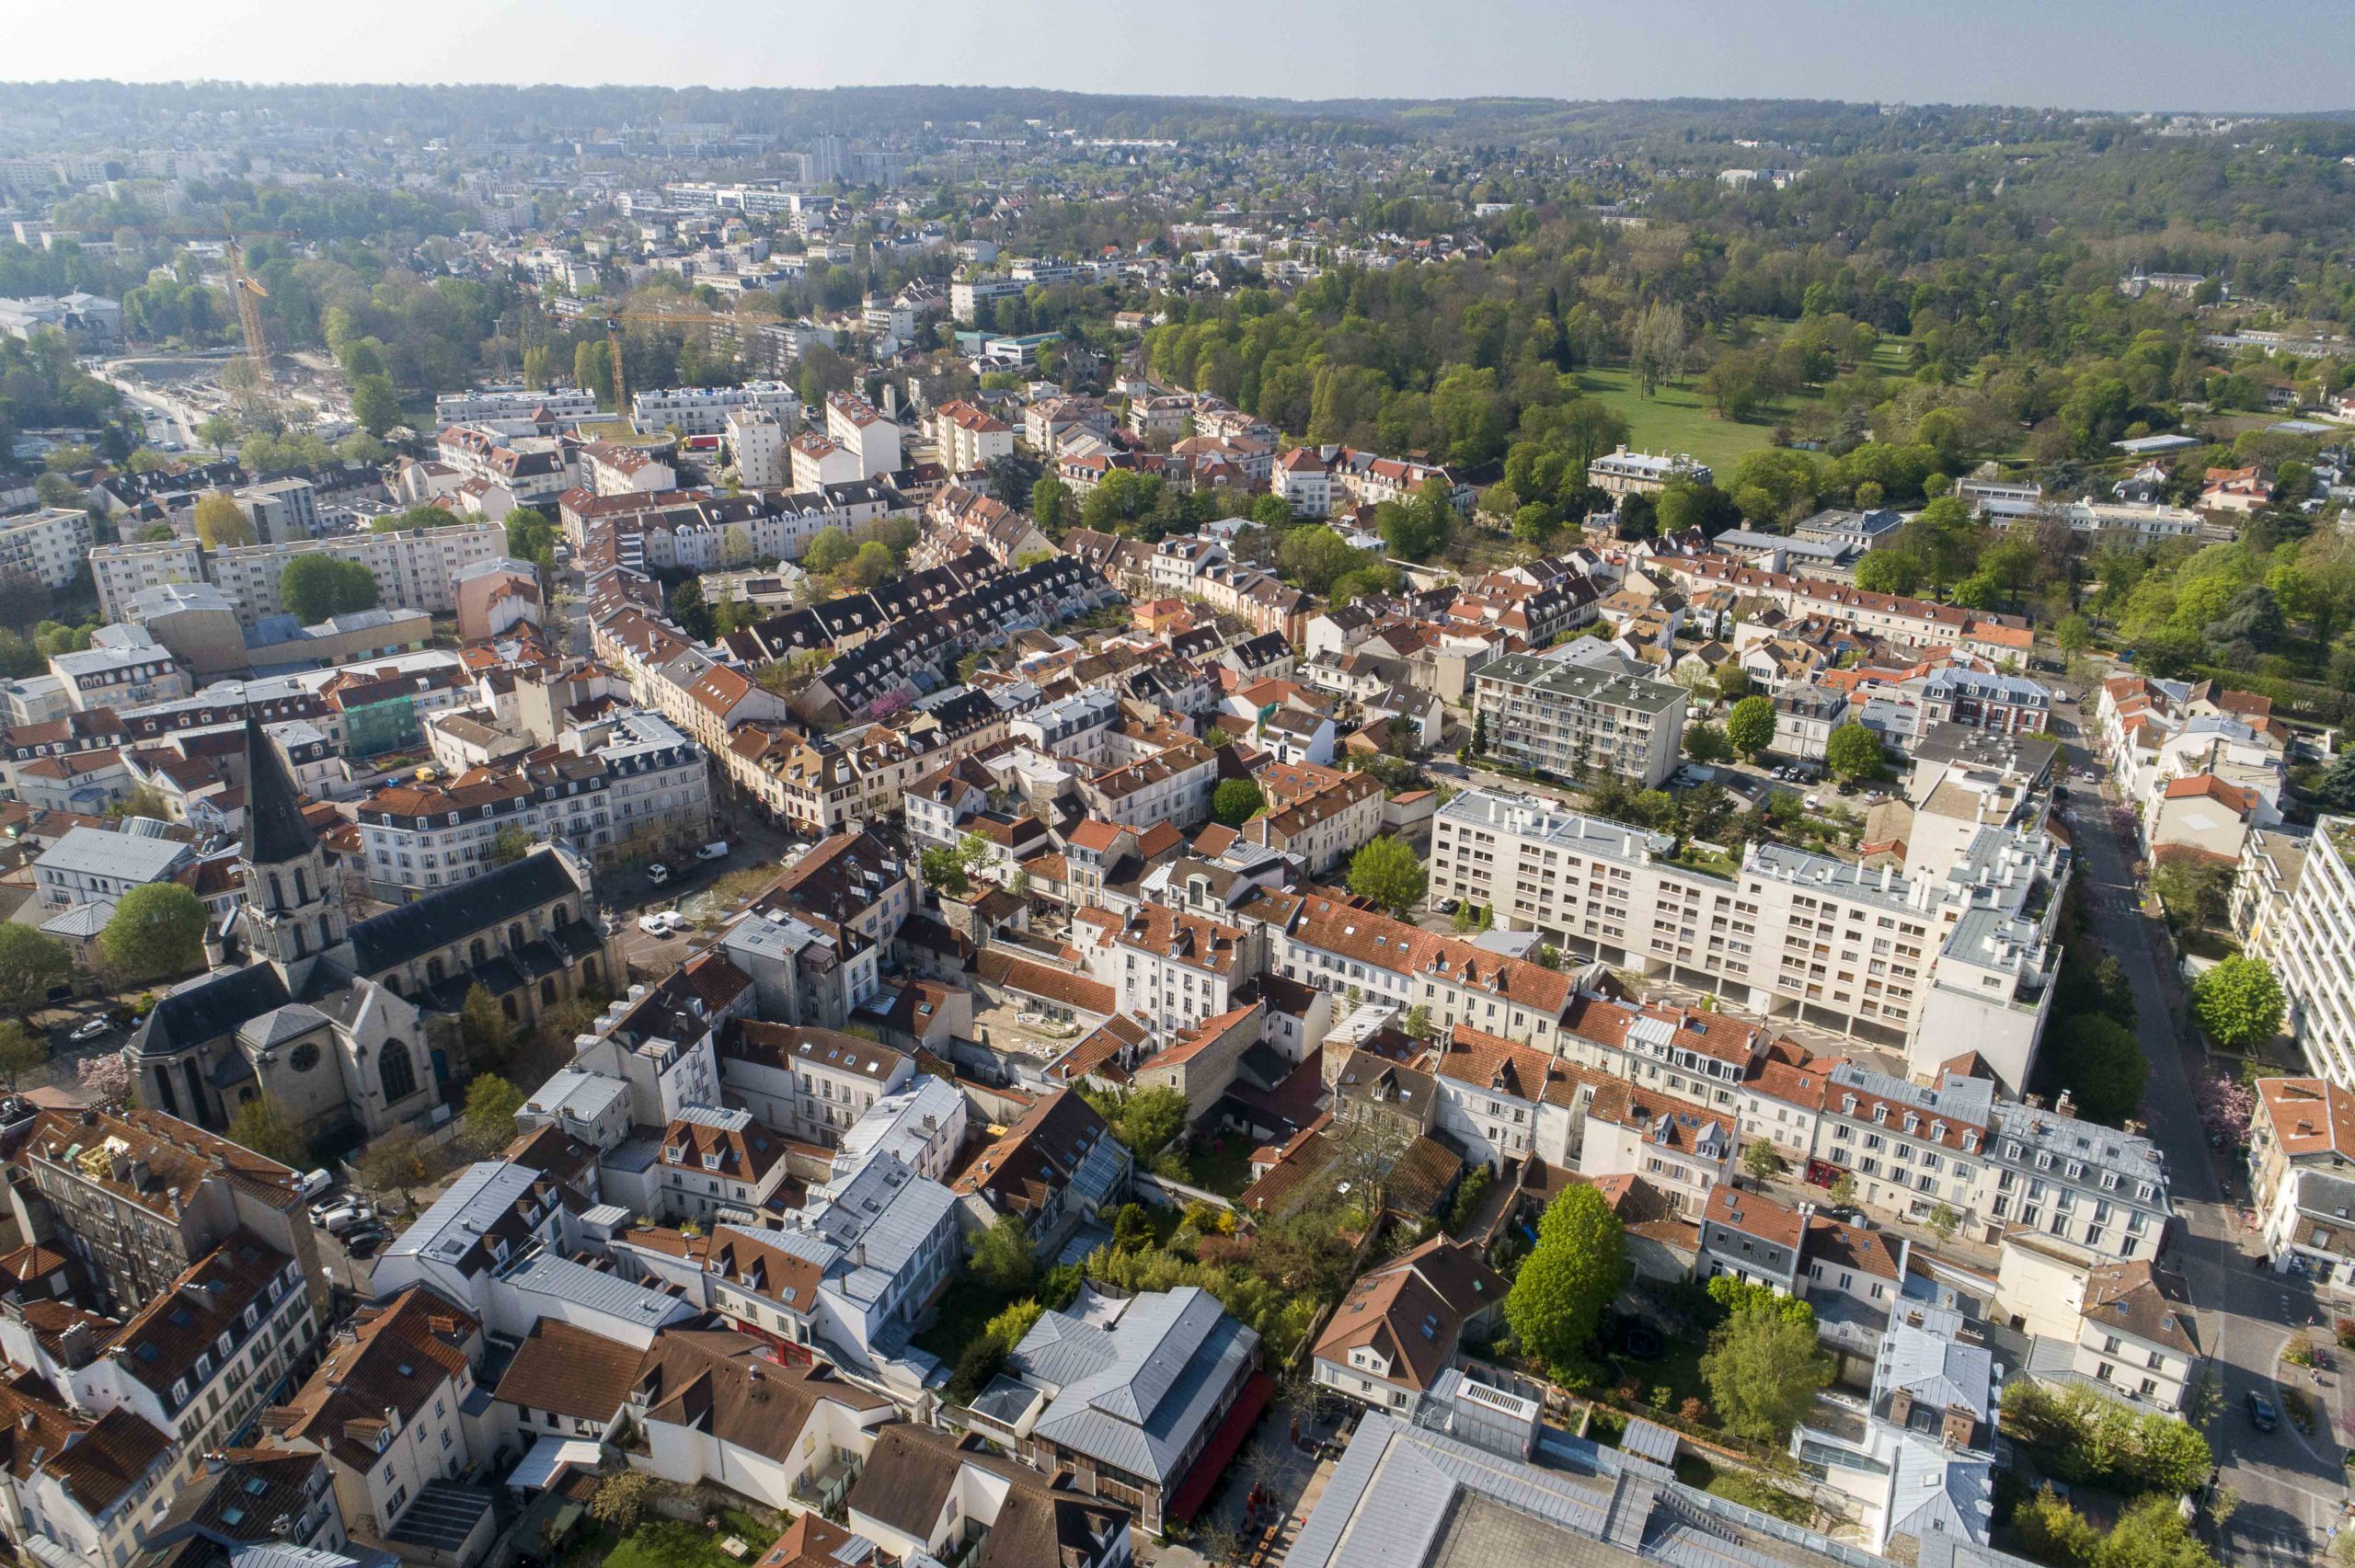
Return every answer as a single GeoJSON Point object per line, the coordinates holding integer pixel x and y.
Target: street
{"type": "Point", "coordinates": [2291, 1485]}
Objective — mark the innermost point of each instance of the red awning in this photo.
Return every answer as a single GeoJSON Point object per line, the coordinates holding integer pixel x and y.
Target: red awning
{"type": "Point", "coordinates": [1211, 1462]}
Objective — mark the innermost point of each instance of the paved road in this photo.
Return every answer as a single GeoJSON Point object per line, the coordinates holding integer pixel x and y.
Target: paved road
{"type": "Point", "coordinates": [2293, 1486]}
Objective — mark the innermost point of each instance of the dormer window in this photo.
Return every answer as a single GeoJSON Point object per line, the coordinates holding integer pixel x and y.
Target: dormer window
{"type": "Point", "coordinates": [711, 1162]}
{"type": "Point", "coordinates": [1880, 1116]}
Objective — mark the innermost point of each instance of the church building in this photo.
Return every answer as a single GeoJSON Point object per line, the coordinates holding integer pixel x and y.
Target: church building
{"type": "Point", "coordinates": [352, 1024]}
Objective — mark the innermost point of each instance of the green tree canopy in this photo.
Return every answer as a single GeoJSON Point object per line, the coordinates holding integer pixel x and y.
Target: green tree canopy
{"type": "Point", "coordinates": [156, 930]}
{"type": "Point", "coordinates": [1578, 1266]}
{"type": "Point", "coordinates": [31, 966]}
{"type": "Point", "coordinates": [1750, 727]}
{"type": "Point", "coordinates": [2100, 1063]}
{"type": "Point", "coordinates": [1001, 1256]}
{"type": "Point", "coordinates": [221, 523]}
{"type": "Point", "coordinates": [1237, 801]}
{"type": "Point", "coordinates": [491, 1104]}
{"type": "Point", "coordinates": [1387, 871]}
{"type": "Point", "coordinates": [314, 587]}
{"type": "Point", "coordinates": [1763, 1371]}
{"type": "Point", "coordinates": [22, 1049]}
{"type": "Point", "coordinates": [374, 404]}
{"type": "Point", "coordinates": [1854, 752]}
{"type": "Point", "coordinates": [2238, 1003]}
{"type": "Point", "coordinates": [267, 1128]}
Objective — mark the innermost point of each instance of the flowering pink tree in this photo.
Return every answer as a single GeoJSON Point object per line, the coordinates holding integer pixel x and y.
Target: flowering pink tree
{"type": "Point", "coordinates": [2225, 1106]}
{"type": "Point", "coordinates": [890, 703]}
{"type": "Point", "coordinates": [104, 1080]}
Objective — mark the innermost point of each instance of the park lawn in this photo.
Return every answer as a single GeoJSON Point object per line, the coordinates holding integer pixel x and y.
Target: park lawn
{"type": "Point", "coordinates": [1677, 418]}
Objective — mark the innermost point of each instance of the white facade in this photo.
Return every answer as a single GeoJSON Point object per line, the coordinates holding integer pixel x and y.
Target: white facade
{"type": "Point", "coordinates": [704, 410]}
{"type": "Point", "coordinates": [757, 438]}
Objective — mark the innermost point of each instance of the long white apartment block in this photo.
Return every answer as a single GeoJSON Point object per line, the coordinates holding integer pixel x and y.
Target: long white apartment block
{"type": "Point", "coordinates": [2310, 941]}
{"type": "Point", "coordinates": [1933, 965]}
{"type": "Point", "coordinates": [704, 410]}
{"type": "Point", "coordinates": [416, 568]}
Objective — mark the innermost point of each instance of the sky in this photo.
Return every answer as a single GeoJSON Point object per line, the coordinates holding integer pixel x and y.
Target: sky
{"type": "Point", "coordinates": [2223, 55]}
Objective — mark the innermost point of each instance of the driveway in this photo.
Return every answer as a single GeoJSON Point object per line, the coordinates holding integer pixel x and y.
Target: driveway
{"type": "Point", "coordinates": [2291, 1486]}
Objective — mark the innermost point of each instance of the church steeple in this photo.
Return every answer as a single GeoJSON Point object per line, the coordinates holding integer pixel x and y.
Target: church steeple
{"type": "Point", "coordinates": [292, 911]}
{"type": "Point", "coordinates": [275, 831]}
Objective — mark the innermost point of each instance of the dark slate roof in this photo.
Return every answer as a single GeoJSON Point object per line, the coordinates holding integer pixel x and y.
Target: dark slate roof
{"type": "Point", "coordinates": [211, 1007]}
{"type": "Point", "coordinates": [386, 941]}
{"type": "Point", "coordinates": [275, 831]}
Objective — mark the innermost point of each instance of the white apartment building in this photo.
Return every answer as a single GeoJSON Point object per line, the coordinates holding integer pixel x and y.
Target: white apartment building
{"type": "Point", "coordinates": [416, 568]}
{"type": "Point", "coordinates": [967, 295]}
{"type": "Point", "coordinates": [1547, 715]}
{"type": "Point", "coordinates": [50, 544]}
{"type": "Point", "coordinates": [704, 410]}
{"type": "Point", "coordinates": [757, 438]}
{"type": "Point", "coordinates": [853, 423]}
{"type": "Point", "coordinates": [1901, 961]}
{"type": "Point", "coordinates": [819, 460]}
{"type": "Point", "coordinates": [2310, 941]}
{"type": "Point", "coordinates": [282, 510]}
{"type": "Point", "coordinates": [630, 779]}
{"type": "Point", "coordinates": [970, 437]}
{"type": "Point", "coordinates": [566, 402]}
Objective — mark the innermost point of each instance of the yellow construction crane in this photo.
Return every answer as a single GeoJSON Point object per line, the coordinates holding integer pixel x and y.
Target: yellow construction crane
{"type": "Point", "coordinates": [652, 318]}
{"type": "Point", "coordinates": [250, 294]}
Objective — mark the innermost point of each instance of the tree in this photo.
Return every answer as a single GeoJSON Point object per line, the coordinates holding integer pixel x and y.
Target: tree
{"type": "Point", "coordinates": [1237, 801]}
{"type": "Point", "coordinates": [1853, 752]}
{"type": "Point", "coordinates": [2196, 893]}
{"type": "Point", "coordinates": [1001, 1256]}
{"type": "Point", "coordinates": [1151, 1118]}
{"type": "Point", "coordinates": [1944, 1221]}
{"type": "Point", "coordinates": [1760, 1160]}
{"type": "Point", "coordinates": [103, 1079]}
{"type": "Point", "coordinates": [2336, 790]}
{"type": "Point", "coordinates": [1578, 1267]}
{"type": "Point", "coordinates": [483, 1025]}
{"type": "Point", "coordinates": [22, 1049]}
{"type": "Point", "coordinates": [374, 404]}
{"type": "Point", "coordinates": [268, 1129]}
{"type": "Point", "coordinates": [1656, 351]}
{"type": "Point", "coordinates": [872, 564]}
{"type": "Point", "coordinates": [1763, 1372]}
{"type": "Point", "coordinates": [155, 930]}
{"type": "Point", "coordinates": [314, 586]}
{"type": "Point", "coordinates": [31, 966]}
{"type": "Point", "coordinates": [1843, 1189]}
{"type": "Point", "coordinates": [2101, 1065]}
{"type": "Point", "coordinates": [1749, 728]}
{"type": "Point", "coordinates": [1050, 502]}
{"type": "Point", "coordinates": [1387, 871]}
{"type": "Point", "coordinates": [394, 1163]}
{"type": "Point", "coordinates": [2073, 634]}
{"type": "Point", "coordinates": [221, 523]}
{"type": "Point", "coordinates": [25, 599]}
{"type": "Point", "coordinates": [689, 611]}
{"type": "Point", "coordinates": [1737, 1294]}
{"type": "Point", "coordinates": [491, 1104]}
{"type": "Point", "coordinates": [217, 431]}
{"type": "Point", "coordinates": [945, 871]}
{"type": "Point", "coordinates": [1733, 681]}
{"type": "Point", "coordinates": [2238, 1003]}
{"type": "Point", "coordinates": [1706, 743]}
{"type": "Point", "coordinates": [622, 1499]}
{"type": "Point", "coordinates": [507, 845]}
{"type": "Point", "coordinates": [828, 549]}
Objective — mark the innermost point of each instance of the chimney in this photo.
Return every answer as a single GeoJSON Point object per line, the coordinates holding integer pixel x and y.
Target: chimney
{"type": "Point", "coordinates": [1900, 1406]}
{"type": "Point", "coordinates": [1958, 1426]}
{"type": "Point", "coordinates": [2064, 1105]}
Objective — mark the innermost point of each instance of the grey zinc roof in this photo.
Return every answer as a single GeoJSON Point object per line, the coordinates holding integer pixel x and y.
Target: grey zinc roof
{"type": "Point", "coordinates": [543, 1273]}
{"type": "Point", "coordinates": [1554, 679]}
{"type": "Point", "coordinates": [127, 857]}
{"type": "Point", "coordinates": [1938, 1371]}
{"type": "Point", "coordinates": [1134, 1396]}
{"type": "Point", "coordinates": [281, 1024]}
{"type": "Point", "coordinates": [483, 1191]}
{"type": "Point", "coordinates": [880, 1219]}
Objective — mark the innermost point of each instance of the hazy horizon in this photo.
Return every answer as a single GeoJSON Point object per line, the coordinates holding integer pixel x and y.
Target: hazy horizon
{"type": "Point", "coordinates": [2098, 55]}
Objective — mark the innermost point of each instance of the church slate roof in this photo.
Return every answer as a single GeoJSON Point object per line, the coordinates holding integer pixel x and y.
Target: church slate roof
{"type": "Point", "coordinates": [209, 1009]}
{"type": "Point", "coordinates": [387, 941]}
{"type": "Point", "coordinates": [275, 831]}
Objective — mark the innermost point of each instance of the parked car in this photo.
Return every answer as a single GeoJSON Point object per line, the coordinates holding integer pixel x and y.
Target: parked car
{"type": "Point", "coordinates": [2262, 1414]}
{"type": "Point", "coordinates": [658, 874]}
{"type": "Point", "coordinates": [661, 923]}
{"type": "Point", "coordinates": [91, 1030]}
{"type": "Point", "coordinates": [337, 1220]}
{"type": "Point", "coordinates": [364, 1240]}
{"type": "Point", "coordinates": [715, 850]}
{"type": "Point", "coordinates": [313, 1183]}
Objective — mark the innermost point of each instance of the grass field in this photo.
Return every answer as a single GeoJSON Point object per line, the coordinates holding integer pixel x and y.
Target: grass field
{"type": "Point", "coordinates": [1677, 418]}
